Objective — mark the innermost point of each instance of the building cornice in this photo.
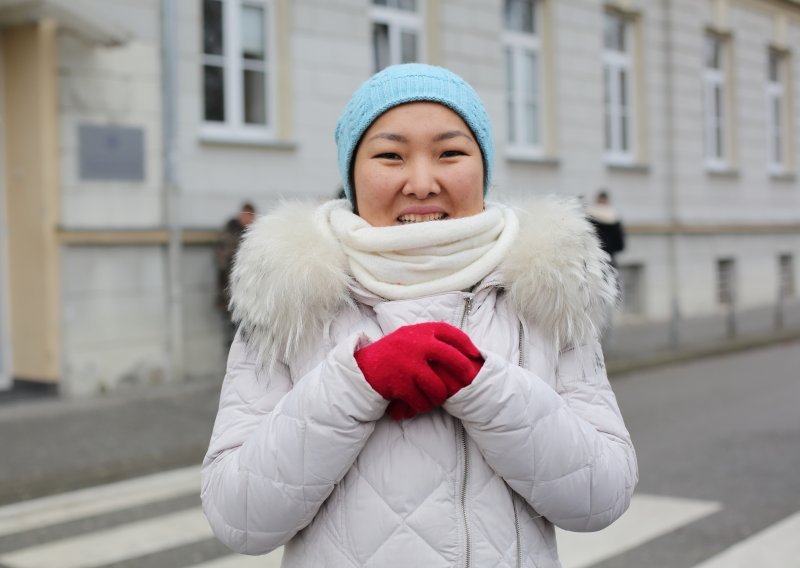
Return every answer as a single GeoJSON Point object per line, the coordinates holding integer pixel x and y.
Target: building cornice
{"type": "Point", "coordinates": [133, 237]}
{"type": "Point", "coordinates": [713, 229]}
{"type": "Point", "coordinates": [72, 15]}
{"type": "Point", "coordinates": [159, 237]}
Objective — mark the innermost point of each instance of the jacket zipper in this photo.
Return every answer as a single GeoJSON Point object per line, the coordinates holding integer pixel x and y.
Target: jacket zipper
{"type": "Point", "coordinates": [465, 313]}
{"type": "Point", "coordinates": [513, 505]}
{"type": "Point", "coordinates": [465, 447]}
{"type": "Point", "coordinates": [467, 553]}
{"type": "Point", "coordinates": [463, 433]}
{"type": "Point", "coordinates": [516, 528]}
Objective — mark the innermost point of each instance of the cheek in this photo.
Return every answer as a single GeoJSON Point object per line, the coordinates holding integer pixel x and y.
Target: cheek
{"type": "Point", "coordinates": [376, 180]}
{"type": "Point", "coordinates": [469, 180]}
{"type": "Point", "coordinates": [374, 194]}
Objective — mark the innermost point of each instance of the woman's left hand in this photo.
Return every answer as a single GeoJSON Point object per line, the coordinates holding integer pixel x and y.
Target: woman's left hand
{"type": "Point", "coordinates": [418, 367]}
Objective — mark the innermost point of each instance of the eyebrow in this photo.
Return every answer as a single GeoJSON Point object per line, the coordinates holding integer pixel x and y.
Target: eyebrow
{"type": "Point", "coordinates": [438, 138]}
{"type": "Point", "coordinates": [451, 134]}
{"type": "Point", "coordinates": [389, 136]}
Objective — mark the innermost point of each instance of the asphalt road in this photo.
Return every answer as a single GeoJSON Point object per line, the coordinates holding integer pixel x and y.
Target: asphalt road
{"type": "Point", "coordinates": [725, 429]}
{"type": "Point", "coordinates": [719, 435]}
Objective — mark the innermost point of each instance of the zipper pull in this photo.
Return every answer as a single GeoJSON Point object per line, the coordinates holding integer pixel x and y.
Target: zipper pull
{"type": "Point", "coordinates": [467, 310]}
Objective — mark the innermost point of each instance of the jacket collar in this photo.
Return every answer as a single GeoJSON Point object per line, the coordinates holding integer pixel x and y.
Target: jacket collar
{"type": "Point", "coordinates": [289, 280]}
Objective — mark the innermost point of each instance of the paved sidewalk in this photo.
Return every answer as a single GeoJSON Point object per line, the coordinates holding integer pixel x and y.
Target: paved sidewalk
{"type": "Point", "coordinates": [53, 445]}
{"type": "Point", "coordinates": [50, 445]}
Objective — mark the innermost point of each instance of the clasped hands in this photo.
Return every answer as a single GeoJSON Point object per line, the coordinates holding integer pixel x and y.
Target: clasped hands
{"type": "Point", "coordinates": [418, 367]}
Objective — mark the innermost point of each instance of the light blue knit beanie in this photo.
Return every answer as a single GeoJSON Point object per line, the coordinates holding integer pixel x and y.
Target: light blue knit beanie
{"type": "Point", "coordinates": [410, 82]}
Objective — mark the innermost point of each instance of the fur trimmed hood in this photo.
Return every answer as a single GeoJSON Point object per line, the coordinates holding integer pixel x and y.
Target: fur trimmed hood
{"type": "Point", "coordinates": [289, 280]}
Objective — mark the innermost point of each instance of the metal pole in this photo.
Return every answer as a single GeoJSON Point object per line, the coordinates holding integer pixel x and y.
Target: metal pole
{"type": "Point", "coordinates": [781, 304]}
{"type": "Point", "coordinates": [171, 190]}
{"type": "Point", "coordinates": [671, 189]}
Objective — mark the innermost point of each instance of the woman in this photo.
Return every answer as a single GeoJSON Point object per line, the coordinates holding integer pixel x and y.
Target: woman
{"type": "Point", "coordinates": [417, 379]}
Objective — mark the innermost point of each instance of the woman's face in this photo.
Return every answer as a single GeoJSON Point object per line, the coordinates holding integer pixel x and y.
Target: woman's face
{"type": "Point", "coordinates": [418, 162]}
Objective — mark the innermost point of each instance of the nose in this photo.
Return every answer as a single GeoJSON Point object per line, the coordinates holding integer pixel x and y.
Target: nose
{"type": "Point", "coordinates": [421, 181]}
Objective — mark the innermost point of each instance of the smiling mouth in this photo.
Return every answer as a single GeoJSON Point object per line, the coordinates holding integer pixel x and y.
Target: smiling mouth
{"type": "Point", "coordinates": [414, 218]}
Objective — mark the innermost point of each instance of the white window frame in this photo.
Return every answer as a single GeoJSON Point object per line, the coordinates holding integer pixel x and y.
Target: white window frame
{"type": "Point", "coordinates": [614, 64]}
{"type": "Point", "coordinates": [776, 93]}
{"type": "Point", "coordinates": [715, 118]}
{"type": "Point", "coordinates": [398, 21]}
{"type": "Point", "coordinates": [519, 44]}
{"type": "Point", "coordinates": [234, 129]}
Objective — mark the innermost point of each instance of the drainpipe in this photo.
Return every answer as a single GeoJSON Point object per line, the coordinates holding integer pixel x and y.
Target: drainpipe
{"type": "Point", "coordinates": [171, 191]}
{"type": "Point", "coordinates": [670, 175]}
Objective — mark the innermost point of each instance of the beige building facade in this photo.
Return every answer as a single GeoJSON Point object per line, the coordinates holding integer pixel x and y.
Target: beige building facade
{"type": "Point", "coordinates": [687, 111]}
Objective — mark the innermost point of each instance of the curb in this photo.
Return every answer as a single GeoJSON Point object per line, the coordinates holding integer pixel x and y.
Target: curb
{"type": "Point", "coordinates": [13, 491]}
{"type": "Point", "coordinates": [625, 365]}
{"type": "Point", "coordinates": [191, 453]}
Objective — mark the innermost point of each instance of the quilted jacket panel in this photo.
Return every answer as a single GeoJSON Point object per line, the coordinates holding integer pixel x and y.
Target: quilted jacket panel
{"type": "Point", "coordinates": [303, 455]}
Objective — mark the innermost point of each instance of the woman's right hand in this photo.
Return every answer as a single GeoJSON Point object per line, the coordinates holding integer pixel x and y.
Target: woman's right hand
{"type": "Point", "coordinates": [417, 367]}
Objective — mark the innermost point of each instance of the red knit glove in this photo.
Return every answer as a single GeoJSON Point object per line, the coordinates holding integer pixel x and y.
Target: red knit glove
{"type": "Point", "coordinates": [418, 367]}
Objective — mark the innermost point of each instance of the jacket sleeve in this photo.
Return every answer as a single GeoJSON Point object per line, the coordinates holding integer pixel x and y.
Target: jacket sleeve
{"type": "Point", "coordinates": [566, 451]}
{"type": "Point", "coordinates": [278, 450]}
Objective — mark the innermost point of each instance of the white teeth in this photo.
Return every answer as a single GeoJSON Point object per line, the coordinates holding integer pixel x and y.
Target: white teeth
{"type": "Point", "coordinates": [413, 218]}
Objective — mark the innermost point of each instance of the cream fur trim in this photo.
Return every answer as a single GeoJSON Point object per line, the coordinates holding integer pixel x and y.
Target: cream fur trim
{"type": "Point", "coordinates": [289, 280]}
{"type": "Point", "coordinates": [556, 274]}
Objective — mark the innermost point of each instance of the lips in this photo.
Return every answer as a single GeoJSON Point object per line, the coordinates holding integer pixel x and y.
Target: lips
{"type": "Point", "coordinates": [409, 218]}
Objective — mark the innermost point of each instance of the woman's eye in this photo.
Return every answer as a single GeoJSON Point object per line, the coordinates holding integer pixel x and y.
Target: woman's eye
{"type": "Point", "coordinates": [388, 156]}
{"type": "Point", "coordinates": [452, 153]}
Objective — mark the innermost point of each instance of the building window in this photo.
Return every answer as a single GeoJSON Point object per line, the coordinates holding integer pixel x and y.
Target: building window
{"type": "Point", "coordinates": [726, 281]}
{"type": "Point", "coordinates": [786, 282]}
{"type": "Point", "coordinates": [777, 117]}
{"type": "Point", "coordinates": [238, 73]}
{"type": "Point", "coordinates": [522, 48]}
{"type": "Point", "coordinates": [715, 102]}
{"type": "Point", "coordinates": [618, 88]}
{"type": "Point", "coordinates": [631, 281]}
{"type": "Point", "coordinates": [396, 32]}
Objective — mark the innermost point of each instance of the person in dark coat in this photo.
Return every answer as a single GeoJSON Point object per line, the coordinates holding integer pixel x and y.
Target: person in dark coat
{"type": "Point", "coordinates": [224, 255]}
{"type": "Point", "coordinates": [608, 226]}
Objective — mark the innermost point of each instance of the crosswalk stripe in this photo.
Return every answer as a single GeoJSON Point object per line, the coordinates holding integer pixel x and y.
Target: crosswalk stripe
{"type": "Point", "coordinates": [37, 513]}
{"type": "Point", "coordinates": [114, 545]}
{"type": "Point", "coordinates": [777, 545]}
{"type": "Point", "coordinates": [271, 560]}
{"type": "Point", "coordinates": [648, 517]}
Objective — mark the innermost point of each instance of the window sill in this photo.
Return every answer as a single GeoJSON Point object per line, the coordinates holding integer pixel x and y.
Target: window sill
{"type": "Point", "coordinates": [271, 144]}
{"type": "Point", "coordinates": [788, 177]}
{"type": "Point", "coordinates": [528, 158]}
{"type": "Point", "coordinates": [728, 173]}
{"type": "Point", "coordinates": [221, 137]}
{"type": "Point", "coordinates": [632, 168]}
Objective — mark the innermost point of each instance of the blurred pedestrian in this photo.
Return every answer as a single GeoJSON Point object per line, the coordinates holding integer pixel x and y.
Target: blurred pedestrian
{"type": "Point", "coordinates": [608, 225]}
{"type": "Point", "coordinates": [224, 254]}
{"type": "Point", "coordinates": [417, 379]}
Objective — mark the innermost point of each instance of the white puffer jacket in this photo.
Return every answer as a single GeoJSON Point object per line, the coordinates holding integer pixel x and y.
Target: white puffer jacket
{"type": "Point", "coordinates": [303, 455]}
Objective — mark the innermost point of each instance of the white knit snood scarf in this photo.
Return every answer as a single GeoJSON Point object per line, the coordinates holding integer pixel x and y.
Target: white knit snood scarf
{"type": "Point", "coordinates": [410, 261]}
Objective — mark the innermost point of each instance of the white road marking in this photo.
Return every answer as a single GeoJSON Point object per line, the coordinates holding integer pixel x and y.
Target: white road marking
{"type": "Point", "coordinates": [648, 517]}
{"type": "Point", "coordinates": [777, 545]}
{"type": "Point", "coordinates": [114, 545]}
{"type": "Point", "coordinates": [271, 560]}
{"type": "Point", "coordinates": [37, 513]}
